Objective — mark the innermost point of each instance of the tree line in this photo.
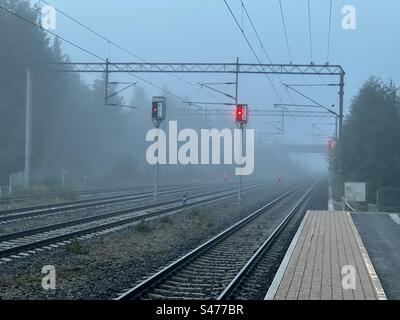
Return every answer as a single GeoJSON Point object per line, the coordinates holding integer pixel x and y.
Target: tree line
{"type": "Point", "coordinates": [371, 138]}
{"type": "Point", "coordinates": [73, 131]}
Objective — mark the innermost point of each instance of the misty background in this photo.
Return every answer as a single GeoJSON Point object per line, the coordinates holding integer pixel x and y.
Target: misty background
{"type": "Point", "coordinates": [74, 131]}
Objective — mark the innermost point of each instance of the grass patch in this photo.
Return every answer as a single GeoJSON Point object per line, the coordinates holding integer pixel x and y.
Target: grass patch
{"type": "Point", "coordinates": [166, 220]}
{"type": "Point", "coordinates": [195, 213]}
{"type": "Point", "coordinates": [70, 274]}
{"type": "Point", "coordinates": [210, 224]}
{"type": "Point", "coordinates": [77, 247]}
{"type": "Point", "coordinates": [225, 205]}
{"type": "Point", "coordinates": [143, 227]}
{"type": "Point", "coordinates": [31, 191]}
{"type": "Point", "coordinates": [46, 193]}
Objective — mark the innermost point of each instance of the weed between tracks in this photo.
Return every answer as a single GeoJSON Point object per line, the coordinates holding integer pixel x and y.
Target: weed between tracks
{"type": "Point", "coordinates": [166, 220]}
{"type": "Point", "coordinates": [123, 257]}
{"type": "Point", "coordinates": [76, 247]}
{"type": "Point", "coordinates": [143, 227]}
{"type": "Point", "coordinates": [182, 222]}
{"type": "Point", "coordinates": [42, 196]}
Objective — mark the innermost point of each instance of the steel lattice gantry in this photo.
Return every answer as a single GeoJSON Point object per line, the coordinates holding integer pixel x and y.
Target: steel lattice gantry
{"type": "Point", "coordinates": [211, 68]}
{"type": "Point", "coordinates": [225, 68]}
{"type": "Point", "coordinates": [235, 68]}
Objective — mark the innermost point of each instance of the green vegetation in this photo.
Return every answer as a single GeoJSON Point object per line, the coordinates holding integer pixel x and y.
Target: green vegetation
{"type": "Point", "coordinates": [77, 247]}
{"type": "Point", "coordinates": [210, 224]}
{"type": "Point", "coordinates": [371, 138]}
{"type": "Point", "coordinates": [166, 220]}
{"type": "Point", "coordinates": [195, 213]}
{"type": "Point", "coordinates": [143, 227]}
{"type": "Point", "coordinates": [71, 125]}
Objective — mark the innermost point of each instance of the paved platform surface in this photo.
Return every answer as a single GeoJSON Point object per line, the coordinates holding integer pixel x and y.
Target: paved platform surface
{"type": "Point", "coordinates": [325, 243]}
{"type": "Point", "coordinates": [381, 236]}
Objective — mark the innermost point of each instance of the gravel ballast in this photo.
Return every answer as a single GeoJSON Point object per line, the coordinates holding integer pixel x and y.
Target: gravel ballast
{"type": "Point", "coordinates": [106, 266]}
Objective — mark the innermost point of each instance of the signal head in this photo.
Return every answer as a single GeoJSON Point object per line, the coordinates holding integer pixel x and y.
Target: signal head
{"type": "Point", "coordinates": [242, 113]}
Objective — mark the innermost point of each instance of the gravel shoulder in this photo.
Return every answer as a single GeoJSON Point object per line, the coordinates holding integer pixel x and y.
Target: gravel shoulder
{"type": "Point", "coordinates": [103, 267]}
{"type": "Point", "coordinates": [18, 225]}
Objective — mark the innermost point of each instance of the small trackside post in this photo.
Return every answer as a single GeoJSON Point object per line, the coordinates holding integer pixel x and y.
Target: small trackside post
{"type": "Point", "coordinates": [241, 121]}
{"type": "Point", "coordinates": [28, 129]}
{"type": "Point", "coordinates": [159, 113]}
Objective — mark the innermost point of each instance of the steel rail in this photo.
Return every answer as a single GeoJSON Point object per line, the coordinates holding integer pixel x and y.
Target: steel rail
{"type": "Point", "coordinates": [13, 214]}
{"type": "Point", "coordinates": [264, 247]}
{"type": "Point", "coordinates": [7, 199]}
{"type": "Point", "coordinates": [70, 223]}
{"type": "Point", "coordinates": [152, 281]}
{"type": "Point", "coordinates": [100, 227]}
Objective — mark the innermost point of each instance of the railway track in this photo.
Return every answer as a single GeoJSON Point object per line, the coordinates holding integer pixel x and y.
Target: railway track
{"type": "Point", "coordinates": [215, 269]}
{"type": "Point", "coordinates": [22, 198]}
{"type": "Point", "coordinates": [23, 213]}
{"type": "Point", "coordinates": [85, 193]}
{"type": "Point", "coordinates": [21, 242]}
{"type": "Point", "coordinates": [253, 280]}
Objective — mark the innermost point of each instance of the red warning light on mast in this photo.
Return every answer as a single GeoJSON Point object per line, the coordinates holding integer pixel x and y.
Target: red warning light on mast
{"type": "Point", "coordinates": [331, 144]}
{"type": "Point", "coordinates": [242, 113]}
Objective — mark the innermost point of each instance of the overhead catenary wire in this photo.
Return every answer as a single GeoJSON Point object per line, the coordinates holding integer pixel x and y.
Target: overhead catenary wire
{"type": "Point", "coordinates": [263, 49]}
{"type": "Point", "coordinates": [261, 43]}
{"type": "Point", "coordinates": [52, 33]}
{"type": "Point", "coordinates": [328, 51]}
{"type": "Point", "coordinates": [87, 51]}
{"type": "Point", "coordinates": [312, 53]}
{"type": "Point", "coordinates": [287, 40]}
{"type": "Point", "coordinates": [118, 46]}
{"type": "Point", "coordinates": [251, 48]}
{"type": "Point", "coordinates": [256, 32]}
{"type": "Point", "coordinates": [329, 44]}
{"type": "Point", "coordinates": [310, 31]}
{"type": "Point", "coordinates": [285, 30]}
{"type": "Point", "coordinates": [329, 31]}
{"type": "Point", "coordinates": [312, 100]}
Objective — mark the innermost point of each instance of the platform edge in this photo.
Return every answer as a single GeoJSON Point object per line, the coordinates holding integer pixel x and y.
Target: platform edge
{"type": "Point", "coordinates": [380, 292]}
{"type": "Point", "coordinates": [285, 262]}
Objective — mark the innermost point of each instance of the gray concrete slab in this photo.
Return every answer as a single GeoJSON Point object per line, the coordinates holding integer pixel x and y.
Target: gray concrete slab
{"type": "Point", "coordinates": [326, 243]}
{"type": "Point", "coordinates": [381, 236]}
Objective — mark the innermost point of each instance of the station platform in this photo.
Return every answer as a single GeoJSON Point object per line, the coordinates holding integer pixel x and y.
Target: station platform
{"type": "Point", "coordinates": [380, 233]}
{"type": "Point", "coordinates": [326, 260]}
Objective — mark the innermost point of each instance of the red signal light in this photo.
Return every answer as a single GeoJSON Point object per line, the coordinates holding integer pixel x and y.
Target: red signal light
{"type": "Point", "coordinates": [159, 108]}
{"type": "Point", "coordinates": [241, 114]}
{"type": "Point", "coordinates": [155, 112]}
{"type": "Point", "coordinates": [331, 144]}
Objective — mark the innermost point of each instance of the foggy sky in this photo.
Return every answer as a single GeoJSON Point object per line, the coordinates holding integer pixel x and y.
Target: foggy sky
{"type": "Point", "coordinates": [204, 31]}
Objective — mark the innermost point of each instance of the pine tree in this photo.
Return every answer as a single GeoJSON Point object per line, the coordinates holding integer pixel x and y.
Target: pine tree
{"type": "Point", "coordinates": [371, 137]}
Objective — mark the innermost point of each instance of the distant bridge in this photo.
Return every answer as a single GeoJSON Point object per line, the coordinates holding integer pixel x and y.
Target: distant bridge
{"type": "Point", "coordinates": [299, 148]}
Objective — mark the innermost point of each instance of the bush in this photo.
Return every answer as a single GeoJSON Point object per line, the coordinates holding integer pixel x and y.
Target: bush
{"type": "Point", "coordinates": [76, 247]}
{"type": "Point", "coordinates": [143, 227]}
{"type": "Point", "coordinates": [166, 220]}
{"type": "Point", "coordinates": [195, 213]}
